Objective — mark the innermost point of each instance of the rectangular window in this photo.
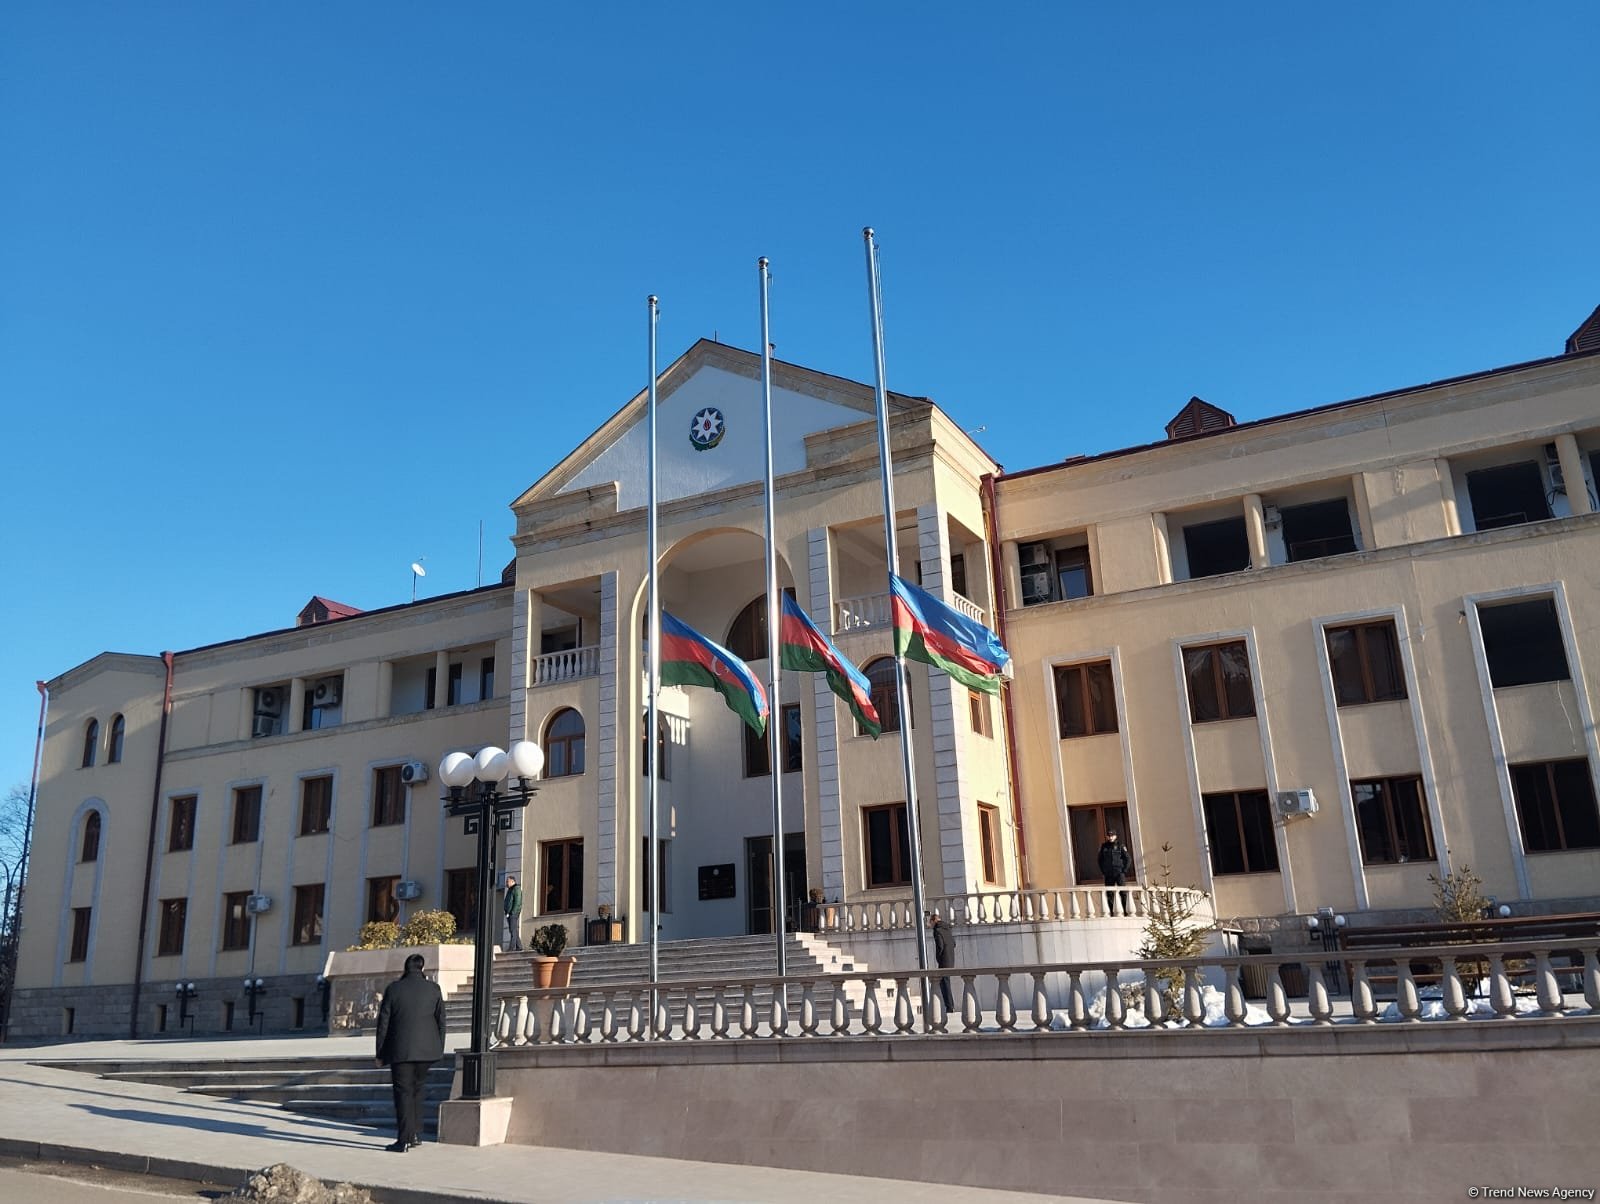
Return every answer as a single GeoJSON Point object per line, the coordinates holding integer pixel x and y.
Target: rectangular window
{"type": "Point", "coordinates": [1318, 529]}
{"type": "Point", "coordinates": [561, 862]}
{"type": "Point", "coordinates": [316, 805]}
{"type": "Point", "coordinates": [236, 920]}
{"type": "Point", "coordinates": [1051, 574]}
{"type": "Point", "coordinates": [887, 845]}
{"type": "Point", "coordinates": [1217, 547]}
{"type": "Point", "coordinates": [1089, 827]}
{"type": "Point", "coordinates": [430, 688]}
{"type": "Point", "coordinates": [978, 707]}
{"type": "Point", "coordinates": [453, 686]}
{"type": "Point", "coordinates": [382, 904]}
{"type": "Point", "coordinates": [989, 841]}
{"type": "Point", "coordinates": [1556, 805]}
{"type": "Point", "coordinates": [663, 875]}
{"type": "Point", "coordinates": [1240, 829]}
{"type": "Point", "coordinates": [1392, 820]}
{"type": "Point", "coordinates": [1522, 642]}
{"type": "Point", "coordinates": [1086, 700]}
{"type": "Point", "coordinates": [1365, 658]}
{"type": "Point", "coordinates": [1507, 495]}
{"type": "Point", "coordinates": [1219, 682]}
{"type": "Point", "coordinates": [246, 814]}
{"type": "Point", "coordinates": [308, 901]}
{"type": "Point", "coordinates": [461, 898]}
{"type": "Point", "coordinates": [180, 829]}
{"type": "Point", "coordinates": [486, 678]}
{"type": "Point", "coordinates": [81, 917]}
{"type": "Point", "coordinates": [388, 797]}
{"type": "Point", "coordinates": [958, 573]}
{"type": "Point", "coordinates": [757, 749]}
{"type": "Point", "coordinates": [174, 916]}
{"type": "Point", "coordinates": [1073, 579]}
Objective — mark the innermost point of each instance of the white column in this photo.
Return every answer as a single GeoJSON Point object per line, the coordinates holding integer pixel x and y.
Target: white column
{"type": "Point", "coordinates": [1447, 497]}
{"type": "Point", "coordinates": [1572, 474]}
{"type": "Point", "coordinates": [1255, 529]}
{"type": "Point", "coordinates": [956, 828]}
{"type": "Point", "coordinates": [441, 679]}
{"type": "Point", "coordinates": [297, 705]}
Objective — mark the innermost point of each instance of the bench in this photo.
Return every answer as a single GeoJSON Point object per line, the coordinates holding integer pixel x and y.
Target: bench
{"type": "Point", "coordinates": [1503, 931]}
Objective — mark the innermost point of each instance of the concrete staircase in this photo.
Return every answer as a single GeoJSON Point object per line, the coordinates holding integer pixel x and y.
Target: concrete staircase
{"type": "Point", "coordinates": [719, 959]}
{"type": "Point", "coordinates": [345, 1089]}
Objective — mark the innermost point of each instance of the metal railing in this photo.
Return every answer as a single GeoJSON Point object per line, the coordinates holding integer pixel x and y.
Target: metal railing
{"type": "Point", "coordinates": [1488, 983]}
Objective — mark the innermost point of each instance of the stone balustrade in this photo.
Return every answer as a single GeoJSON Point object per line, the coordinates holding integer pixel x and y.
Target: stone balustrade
{"type": "Point", "coordinates": [873, 610]}
{"type": "Point", "coordinates": [566, 666]}
{"type": "Point", "coordinates": [1006, 907]}
{"type": "Point", "coordinates": [1486, 982]}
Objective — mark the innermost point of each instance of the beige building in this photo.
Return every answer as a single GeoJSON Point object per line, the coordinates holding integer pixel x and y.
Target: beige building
{"type": "Point", "coordinates": [1322, 655]}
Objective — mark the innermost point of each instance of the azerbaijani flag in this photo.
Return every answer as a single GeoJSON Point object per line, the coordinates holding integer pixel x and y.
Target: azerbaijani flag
{"type": "Point", "coordinates": [927, 630]}
{"type": "Point", "coordinates": [807, 650]}
{"type": "Point", "coordinates": [689, 659]}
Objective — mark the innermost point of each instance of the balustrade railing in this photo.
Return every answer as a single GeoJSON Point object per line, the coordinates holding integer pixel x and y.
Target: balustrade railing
{"type": "Point", "coordinates": [873, 610]}
{"type": "Point", "coordinates": [1004, 907]}
{"type": "Point", "coordinates": [1488, 983]}
{"type": "Point", "coordinates": [566, 666]}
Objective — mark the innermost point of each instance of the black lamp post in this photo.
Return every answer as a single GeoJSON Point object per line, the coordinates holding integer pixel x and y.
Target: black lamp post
{"type": "Point", "coordinates": [185, 991]}
{"type": "Point", "coordinates": [479, 793]}
{"type": "Point", "coordinates": [254, 988]}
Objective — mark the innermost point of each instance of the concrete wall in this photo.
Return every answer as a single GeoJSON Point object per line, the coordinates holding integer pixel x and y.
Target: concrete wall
{"type": "Point", "coordinates": [1408, 1113]}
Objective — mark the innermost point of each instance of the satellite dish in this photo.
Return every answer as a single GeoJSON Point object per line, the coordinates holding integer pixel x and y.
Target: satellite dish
{"type": "Point", "coordinates": [418, 569]}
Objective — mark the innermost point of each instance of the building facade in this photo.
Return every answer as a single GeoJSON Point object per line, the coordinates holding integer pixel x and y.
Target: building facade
{"type": "Point", "coordinates": [1321, 656]}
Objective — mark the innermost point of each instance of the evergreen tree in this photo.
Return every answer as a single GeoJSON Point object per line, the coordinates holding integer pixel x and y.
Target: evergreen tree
{"type": "Point", "coordinates": [1171, 929]}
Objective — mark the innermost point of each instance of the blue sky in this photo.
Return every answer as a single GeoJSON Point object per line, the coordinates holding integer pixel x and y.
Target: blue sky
{"type": "Point", "coordinates": [291, 294]}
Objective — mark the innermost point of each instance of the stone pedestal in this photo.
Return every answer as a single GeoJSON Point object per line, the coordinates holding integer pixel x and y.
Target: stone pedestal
{"type": "Point", "coordinates": [475, 1121]}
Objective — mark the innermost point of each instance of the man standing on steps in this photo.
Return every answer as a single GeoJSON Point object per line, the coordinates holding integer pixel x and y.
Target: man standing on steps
{"type": "Point", "coordinates": [513, 914]}
{"type": "Point", "coordinates": [410, 1039]}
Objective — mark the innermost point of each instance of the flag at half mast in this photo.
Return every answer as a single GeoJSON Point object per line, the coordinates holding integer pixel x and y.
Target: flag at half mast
{"type": "Point", "coordinates": [806, 650]}
{"type": "Point", "coordinates": [689, 659]}
{"type": "Point", "coordinates": [928, 630]}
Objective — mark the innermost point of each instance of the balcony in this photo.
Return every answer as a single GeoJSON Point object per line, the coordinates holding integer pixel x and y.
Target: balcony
{"type": "Point", "coordinates": [872, 610]}
{"type": "Point", "coordinates": [569, 665]}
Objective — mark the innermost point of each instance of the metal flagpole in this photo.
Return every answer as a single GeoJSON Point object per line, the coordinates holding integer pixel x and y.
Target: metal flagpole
{"type": "Point", "coordinates": [775, 670]}
{"type": "Point", "coordinates": [652, 860]}
{"type": "Point", "coordinates": [902, 686]}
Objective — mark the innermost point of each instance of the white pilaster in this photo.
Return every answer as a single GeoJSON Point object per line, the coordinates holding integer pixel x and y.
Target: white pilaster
{"type": "Point", "coordinates": [830, 802]}
{"type": "Point", "coordinates": [956, 829]}
{"type": "Point", "coordinates": [607, 885]}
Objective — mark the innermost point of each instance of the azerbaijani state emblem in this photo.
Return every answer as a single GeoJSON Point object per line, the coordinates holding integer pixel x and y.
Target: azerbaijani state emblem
{"type": "Point", "coordinates": [707, 428]}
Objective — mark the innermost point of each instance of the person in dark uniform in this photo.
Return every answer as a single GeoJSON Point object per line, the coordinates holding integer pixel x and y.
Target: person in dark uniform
{"type": "Point", "coordinates": [513, 915]}
{"type": "Point", "coordinates": [944, 955]}
{"type": "Point", "coordinates": [1115, 862]}
{"type": "Point", "coordinates": [410, 1039]}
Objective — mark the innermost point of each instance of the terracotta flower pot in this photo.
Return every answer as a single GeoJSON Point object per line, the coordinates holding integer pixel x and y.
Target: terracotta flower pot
{"type": "Point", "coordinates": [544, 969]}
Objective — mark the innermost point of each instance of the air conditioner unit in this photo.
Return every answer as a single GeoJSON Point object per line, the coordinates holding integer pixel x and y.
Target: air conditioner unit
{"type": "Point", "coordinates": [269, 701]}
{"type": "Point", "coordinates": [264, 725]}
{"type": "Point", "coordinates": [327, 692]}
{"type": "Point", "coordinates": [256, 904]}
{"type": "Point", "coordinates": [1552, 465]}
{"type": "Point", "coordinates": [407, 890]}
{"type": "Point", "coordinates": [1296, 802]}
{"type": "Point", "coordinates": [413, 772]}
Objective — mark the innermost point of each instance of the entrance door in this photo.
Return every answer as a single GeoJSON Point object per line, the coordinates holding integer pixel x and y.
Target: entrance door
{"type": "Point", "coordinates": [758, 880]}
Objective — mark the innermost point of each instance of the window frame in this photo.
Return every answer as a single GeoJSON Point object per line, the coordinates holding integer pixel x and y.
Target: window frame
{"type": "Point", "coordinates": [1219, 681]}
{"type": "Point", "coordinates": [174, 921]}
{"type": "Point", "coordinates": [1107, 816]}
{"type": "Point", "coordinates": [885, 695]}
{"type": "Point", "coordinates": [89, 845]}
{"type": "Point", "coordinates": [1506, 653]}
{"type": "Point", "coordinates": [309, 825]}
{"type": "Point", "coordinates": [979, 714]}
{"type": "Point", "coordinates": [380, 890]}
{"type": "Point", "coordinates": [91, 743]}
{"type": "Point", "coordinates": [310, 906]}
{"type": "Point", "coordinates": [1362, 633]}
{"type": "Point", "coordinates": [564, 895]}
{"type": "Point", "coordinates": [243, 832]}
{"type": "Point", "coordinates": [82, 927]}
{"type": "Point", "coordinates": [388, 797]}
{"type": "Point", "coordinates": [1235, 800]}
{"type": "Point", "coordinates": [183, 811]}
{"type": "Point", "coordinates": [114, 741]}
{"type": "Point", "coordinates": [1063, 677]}
{"type": "Point", "coordinates": [235, 920]}
{"type": "Point", "coordinates": [562, 766]}
{"type": "Point", "coordinates": [461, 897]}
{"type": "Point", "coordinates": [991, 859]}
{"type": "Point", "coordinates": [1397, 835]}
{"type": "Point", "coordinates": [899, 850]}
{"type": "Point", "coordinates": [485, 678]}
{"type": "Point", "coordinates": [1562, 808]}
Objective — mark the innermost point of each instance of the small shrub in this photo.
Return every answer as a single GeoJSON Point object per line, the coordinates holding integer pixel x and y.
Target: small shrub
{"type": "Point", "coordinates": [1171, 931]}
{"type": "Point", "coordinates": [428, 928]}
{"type": "Point", "coordinates": [1458, 896]}
{"type": "Point", "coordinates": [378, 934]}
{"type": "Point", "coordinates": [550, 940]}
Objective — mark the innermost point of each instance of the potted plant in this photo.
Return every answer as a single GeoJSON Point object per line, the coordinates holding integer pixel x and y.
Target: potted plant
{"type": "Point", "coordinates": [549, 942]}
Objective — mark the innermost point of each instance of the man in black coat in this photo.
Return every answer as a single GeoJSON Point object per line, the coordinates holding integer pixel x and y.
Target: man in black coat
{"type": "Point", "coordinates": [1115, 862]}
{"type": "Point", "coordinates": [944, 955]}
{"type": "Point", "coordinates": [410, 1039]}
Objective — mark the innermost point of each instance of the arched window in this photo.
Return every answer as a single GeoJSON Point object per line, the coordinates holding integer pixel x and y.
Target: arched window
{"type": "Point", "coordinates": [114, 746]}
{"type": "Point", "coordinates": [884, 695]}
{"type": "Point", "coordinates": [563, 744]}
{"type": "Point", "coordinates": [91, 837]}
{"type": "Point", "coordinates": [747, 638]}
{"type": "Point", "coordinates": [91, 741]}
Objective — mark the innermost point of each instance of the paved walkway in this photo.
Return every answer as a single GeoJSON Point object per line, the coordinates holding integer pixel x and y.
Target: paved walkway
{"type": "Point", "coordinates": [138, 1126]}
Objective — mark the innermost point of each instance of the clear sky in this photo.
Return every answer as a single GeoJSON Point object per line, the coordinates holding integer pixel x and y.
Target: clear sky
{"type": "Point", "coordinates": [291, 294]}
